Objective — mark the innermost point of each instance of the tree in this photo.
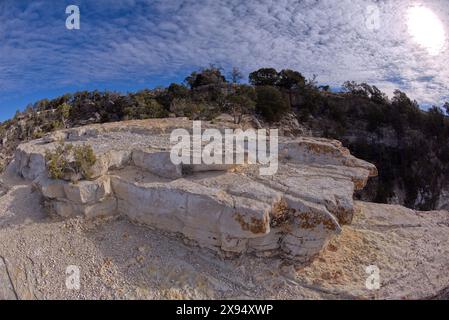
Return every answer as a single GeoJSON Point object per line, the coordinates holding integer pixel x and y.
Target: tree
{"type": "Point", "coordinates": [42, 104]}
{"type": "Point", "coordinates": [270, 103]}
{"type": "Point", "coordinates": [178, 90]}
{"type": "Point", "coordinates": [241, 102]}
{"type": "Point", "coordinates": [403, 103]}
{"type": "Point", "coordinates": [144, 106]}
{"type": "Point", "coordinates": [365, 90]}
{"type": "Point", "coordinates": [264, 77]}
{"type": "Point", "coordinates": [29, 109]}
{"type": "Point", "coordinates": [111, 105]}
{"type": "Point", "coordinates": [290, 80]}
{"type": "Point", "coordinates": [209, 76]}
{"type": "Point", "coordinates": [355, 88]}
{"type": "Point", "coordinates": [17, 115]}
{"type": "Point", "coordinates": [435, 121]}
{"type": "Point", "coordinates": [174, 91]}
{"type": "Point", "coordinates": [235, 75]}
{"type": "Point", "coordinates": [64, 113]}
{"type": "Point", "coordinates": [239, 105]}
{"type": "Point", "coordinates": [378, 96]}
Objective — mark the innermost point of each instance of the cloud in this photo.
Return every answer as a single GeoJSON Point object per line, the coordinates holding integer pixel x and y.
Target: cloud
{"type": "Point", "coordinates": [134, 40]}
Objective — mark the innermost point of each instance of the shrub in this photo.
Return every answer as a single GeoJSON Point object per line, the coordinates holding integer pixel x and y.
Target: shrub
{"type": "Point", "coordinates": [64, 113]}
{"type": "Point", "coordinates": [270, 103]}
{"type": "Point", "coordinates": [238, 105]}
{"type": "Point", "coordinates": [241, 102]}
{"type": "Point", "coordinates": [37, 134]}
{"type": "Point", "coordinates": [84, 160]}
{"type": "Point", "coordinates": [195, 110]}
{"type": "Point", "coordinates": [70, 163]}
{"type": "Point", "coordinates": [57, 160]}
{"type": "Point", "coordinates": [56, 125]}
{"type": "Point", "coordinates": [145, 108]}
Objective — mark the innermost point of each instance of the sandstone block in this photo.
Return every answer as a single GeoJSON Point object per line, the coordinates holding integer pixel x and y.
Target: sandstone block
{"type": "Point", "coordinates": [51, 189]}
{"type": "Point", "coordinates": [158, 163]}
{"type": "Point", "coordinates": [88, 191]}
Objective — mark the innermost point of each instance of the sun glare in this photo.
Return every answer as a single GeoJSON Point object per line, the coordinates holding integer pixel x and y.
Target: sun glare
{"type": "Point", "coordinates": [426, 29]}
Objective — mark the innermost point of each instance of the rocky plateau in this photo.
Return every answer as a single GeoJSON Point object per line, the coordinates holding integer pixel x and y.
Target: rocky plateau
{"type": "Point", "coordinates": [142, 227]}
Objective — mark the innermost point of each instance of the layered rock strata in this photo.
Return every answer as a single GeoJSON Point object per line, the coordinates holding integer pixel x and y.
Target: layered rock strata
{"type": "Point", "coordinates": [230, 209]}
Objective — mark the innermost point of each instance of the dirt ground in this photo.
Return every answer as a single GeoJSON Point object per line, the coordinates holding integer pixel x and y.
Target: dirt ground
{"type": "Point", "coordinates": [120, 260]}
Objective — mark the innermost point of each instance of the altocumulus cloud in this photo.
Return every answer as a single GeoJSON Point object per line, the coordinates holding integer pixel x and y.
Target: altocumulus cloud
{"type": "Point", "coordinates": [136, 40]}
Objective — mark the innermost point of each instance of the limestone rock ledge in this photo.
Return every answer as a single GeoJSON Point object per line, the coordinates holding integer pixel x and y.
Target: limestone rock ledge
{"type": "Point", "coordinates": [410, 250]}
{"type": "Point", "coordinates": [230, 209]}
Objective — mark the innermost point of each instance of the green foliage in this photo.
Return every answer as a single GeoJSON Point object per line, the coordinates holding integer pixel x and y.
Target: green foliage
{"type": "Point", "coordinates": [289, 79]}
{"type": "Point", "coordinates": [57, 160]}
{"type": "Point", "coordinates": [270, 103]}
{"type": "Point", "coordinates": [174, 91]}
{"type": "Point", "coordinates": [208, 76]}
{"type": "Point", "coordinates": [144, 106]}
{"type": "Point", "coordinates": [376, 117]}
{"type": "Point", "coordinates": [70, 162]}
{"type": "Point", "coordinates": [408, 145]}
{"type": "Point", "coordinates": [435, 122]}
{"type": "Point", "coordinates": [365, 90]}
{"type": "Point", "coordinates": [264, 77]}
{"type": "Point", "coordinates": [54, 125]}
{"type": "Point", "coordinates": [85, 159]}
{"type": "Point", "coordinates": [63, 111]}
{"type": "Point", "coordinates": [241, 102]}
{"type": "Point", "coordinates": [37, 134]}
{"type": "Point", "coordinates": [354, 88]}
{"type": "Point", "coordinates": [194, 110]}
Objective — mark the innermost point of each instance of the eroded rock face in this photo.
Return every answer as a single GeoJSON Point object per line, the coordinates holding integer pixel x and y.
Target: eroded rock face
{"type": "Point", "coordinates": [409, 248]}
{"type": "Point", "coordinates": [230, 209]}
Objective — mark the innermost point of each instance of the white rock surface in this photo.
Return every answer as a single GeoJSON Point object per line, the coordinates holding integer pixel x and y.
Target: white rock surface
{"type": "Point", "coordinates": [229, 209]}
{"type": "Point", "coordinates": [120, 260]}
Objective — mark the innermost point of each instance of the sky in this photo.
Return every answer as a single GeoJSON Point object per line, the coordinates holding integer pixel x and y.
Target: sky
{"type": "Point", "coordinates": [126, 45]}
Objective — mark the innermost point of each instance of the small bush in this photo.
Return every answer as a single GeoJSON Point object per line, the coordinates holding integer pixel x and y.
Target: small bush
{"type": "Point", "coordinates": [195, 110]}
{"type": "Point", "coordinates": [70, 163]}
{"type": "Point", "coordinates": [57, 161]}
{"type": "Point", "coordinates": [37, 134]}
{"type": "Point", "coordinates": [145, 108]}
{"type": "Point", "coordinates": [84, 160]}
{"type": "Point", "coordinates": [270, 103]}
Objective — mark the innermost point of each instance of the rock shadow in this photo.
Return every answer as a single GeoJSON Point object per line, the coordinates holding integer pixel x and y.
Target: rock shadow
{"type": "Point", "coordinates": [21, 205]}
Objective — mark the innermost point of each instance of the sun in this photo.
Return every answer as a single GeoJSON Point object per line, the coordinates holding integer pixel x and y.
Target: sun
{"type": "Point", "coordinates": [426, 29]}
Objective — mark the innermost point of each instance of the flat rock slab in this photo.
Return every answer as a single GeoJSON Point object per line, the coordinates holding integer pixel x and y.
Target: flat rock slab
{"type": "Point", "coordinates": [230, 209]}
